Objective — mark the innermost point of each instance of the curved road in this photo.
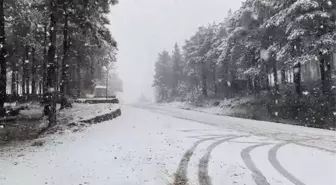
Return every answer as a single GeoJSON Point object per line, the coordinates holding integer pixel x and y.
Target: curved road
{"type": "Point", "coordinates": [159, 145]}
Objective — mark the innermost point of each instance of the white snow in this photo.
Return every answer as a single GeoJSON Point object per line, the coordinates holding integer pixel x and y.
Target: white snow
{"type": "Point", "coordinates": [146, 147]}
{"type": "Point", "coordinates": [100, 87]}
{"type": "Point", "coordinates": [325, 139]}
{"type": "Point", "coordinates": [229, 83]}
{"type": "Point", "coordinates": [51, 89]}
{"type": "Point", "coordinates": [87, 111]}
{"type": "Point", "coordinates": [329, 3]}
{"type": "Point", "coordinates": [305, 93]}
{"type": "Point", "coordinates": [224, 107]}
{"type": "Point", "coordinates": [324, 167]}
{"type": "Point", "coordinates": [11, 104]}
{"type": "Point", "coordinates": [264, 54]}
{"type": "Point", "coordinates": [254, 16]}
{"type": "Point", "coordinates": [93, 98]}
{"type": "Point", "coordinates": [228, 167]}
{"type": "Point", "coordinates": [34, 111]}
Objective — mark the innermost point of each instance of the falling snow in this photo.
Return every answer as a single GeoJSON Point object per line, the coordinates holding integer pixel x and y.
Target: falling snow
{"type": "Point", "coordinates": [264, 54]}
{"type": "Point", "coordinates": [305, 93]}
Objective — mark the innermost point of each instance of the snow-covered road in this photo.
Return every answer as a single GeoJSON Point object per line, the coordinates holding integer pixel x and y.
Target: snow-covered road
{"type": "Point", "coordinates": [155, 145]}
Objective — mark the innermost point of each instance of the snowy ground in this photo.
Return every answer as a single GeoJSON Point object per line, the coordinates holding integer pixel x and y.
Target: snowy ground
{"type": "Point", "coordinates": [225, 107]}
{"type": "Point", "coordinates": [31, 122]}
{"type": "Point", "coordinates": [157, 145]}
{"type": "Point", "coordinates": [71, 120]}
{"type": "Point", "coordinates": [83, 111]}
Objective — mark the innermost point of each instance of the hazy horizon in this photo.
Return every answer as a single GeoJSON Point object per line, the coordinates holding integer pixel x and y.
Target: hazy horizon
{"type": "Point", "coordinates": [143, 28]}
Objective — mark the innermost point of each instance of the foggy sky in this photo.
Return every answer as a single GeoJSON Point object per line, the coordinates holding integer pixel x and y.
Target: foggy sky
{"type": "Point", "coordinates": [143, 28]}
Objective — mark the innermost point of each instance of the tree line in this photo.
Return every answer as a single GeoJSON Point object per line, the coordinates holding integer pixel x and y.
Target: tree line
{"type": "Point", "coordinates": [283, 47]}
{"type": "Point", "coordinates": [51, 46]}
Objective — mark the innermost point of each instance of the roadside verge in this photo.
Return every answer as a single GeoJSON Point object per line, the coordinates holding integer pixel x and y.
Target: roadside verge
{"type": "Point", "coordinates": [82, 115]}
{"type": "Point", "coordinates": [33, 125]}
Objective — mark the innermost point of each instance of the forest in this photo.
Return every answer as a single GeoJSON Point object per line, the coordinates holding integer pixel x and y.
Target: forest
{"type": "Point", "coordinates": [53, 48]}
{"type": "Point", "coordinates": [282, 53]}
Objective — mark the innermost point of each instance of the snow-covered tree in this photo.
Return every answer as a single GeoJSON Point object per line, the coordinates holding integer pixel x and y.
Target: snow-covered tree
{"type": "Point", "coordinates": [163, 78]}
{"type": "Point", "coordinates": [50, 44]}
{"type": "Point", "coordinates": [177, 62]}
{"type": "Point", "coordinates": [264, 45]}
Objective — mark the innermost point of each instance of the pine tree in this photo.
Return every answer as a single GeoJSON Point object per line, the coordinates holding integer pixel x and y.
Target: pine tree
{"type": "Point", "coordinates": [163, 78]}
{"type": "Point", "coordinates": [177, 62]}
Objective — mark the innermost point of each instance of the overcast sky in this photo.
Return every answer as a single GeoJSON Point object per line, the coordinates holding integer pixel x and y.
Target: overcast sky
{"type": "Point", "coordinates": [143, 28]}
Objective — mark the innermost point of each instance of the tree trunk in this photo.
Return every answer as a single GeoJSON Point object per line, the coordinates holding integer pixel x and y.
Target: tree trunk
{"type": "Point", "coordinates": [214, 79]}
{"type": "Point", "coordinates": [64, 75]}
{"type": "Point", "coordinates": [51, 69]}
{"type": "Point", "coordinates": [3, 67]}
{"type": "Point", "coordinates": [226, 88]}
{"type": "Point", "coordinates": [256, 84]}
{"type": "Point", "coordinates": [91, 78]}
{"type": "Point", "coordinates": [325, 68]}
{"type": "Point", "coordinates": [14, 80]}
{"type": "Point", "coordinates": [57, 72]}
{"type": "Point", "coordinates": [45, 60]}
{"type": "Point", "coordinates": [250, 84]}
{"type": "Point", "coordinates": [328, 74]}
{"type": "Point", "coordinates": [17, 82]}
{"type": "Point", "coordinates": [275, 75]}
{"type": "Point", "coordinates": [297, 78]}
{"type": "Point", "coordinates": [283, 76]}
{"type": "Point", "coordinates": [23, 78]}
{"type": "Point", "coordinates": [79, 78]}
{"type": "Point", "coordinates": [33, 72]}
{"type": "Point", "coordinates": [26, 71]}
{"type": "Point", "coordinates": [204, 83]}
{"type": "Point", "coordinates": [13, 89]}
{"type": "Point", "coordinates": [265, 78]}
{"type": "Point", "coordinates": [41, 87]}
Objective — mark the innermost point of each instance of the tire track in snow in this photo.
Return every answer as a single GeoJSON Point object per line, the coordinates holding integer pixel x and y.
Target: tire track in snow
{"type": "Point", "coordinates": [257, 176]}
{"type": "Point", "coordinates": [203, 175]}
{"type": "Point", "coordinates": [181, 172]}
{"type": "Point", "coordinates": [272, 157]}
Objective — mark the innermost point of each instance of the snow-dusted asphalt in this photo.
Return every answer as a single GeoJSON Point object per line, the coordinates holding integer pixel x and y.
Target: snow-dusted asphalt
{"type": "Point", "coordinates": [158, 145]}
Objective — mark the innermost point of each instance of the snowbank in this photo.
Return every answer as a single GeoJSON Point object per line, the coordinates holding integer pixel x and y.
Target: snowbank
{"type": "Point", "coordinates": [80, 112]}
{"type": "Point", "coordinates": [218, 107]}
{"type": "Point", "coordinates": [80, 115]}
{"type": "Point", "coordinates": [31, 123]}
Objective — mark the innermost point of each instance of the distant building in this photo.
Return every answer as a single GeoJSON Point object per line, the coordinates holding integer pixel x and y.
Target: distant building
{"type": "Point", "coordinates": [101, 91]}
